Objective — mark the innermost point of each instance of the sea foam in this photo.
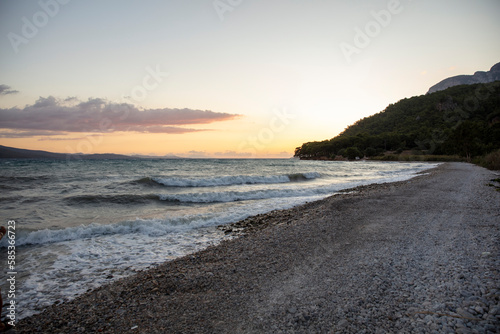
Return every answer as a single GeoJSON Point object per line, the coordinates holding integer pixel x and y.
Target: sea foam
{"type": "Point", "coordinates": [234, 180]}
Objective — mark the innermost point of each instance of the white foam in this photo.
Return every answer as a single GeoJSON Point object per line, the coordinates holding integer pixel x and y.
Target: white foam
{"type": "Point", "coordinates": [233, 196]}
{"type": "Point", "coordinates": [89, 263]}
{"type": "Point", "coordinates": [150, 227]}
{"type": "Point", "coordinates": [311, 175]}
{"type": "Point", "coordinates": [231, 180]}
{"type": "Point", "coordinates": [289, 191]}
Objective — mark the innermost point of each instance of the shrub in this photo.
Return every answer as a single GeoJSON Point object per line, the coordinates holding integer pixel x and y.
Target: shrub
{"type": "Point", "coordinates": [370, 152]}
{"type": "Point", "coordinates": [352, 153]}
{"type": "Point", "coordinates": [491, 160]}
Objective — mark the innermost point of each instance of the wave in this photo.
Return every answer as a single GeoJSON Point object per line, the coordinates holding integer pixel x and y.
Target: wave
{"type": "Point", "coordinates": [287, 197]}
{"type": "Point", "coordinates": [149, 227]}
{"type": "Point", "coordinates": [45, 236]}
{"type": "Point", "coordinates": [11, 198]}
{"type": "Point", "coordinates": [145, 227]}
{"type": "Point", "coordinates": [115, 198]}
{"type": "Point", "coordinates": [23, 179]}
{"type": "Point", "coordinates": [235, 196]}
{"type": "Point", "coordinates": [231, 180]}
{"type": "Point", "coordinates": [8, 187]}
{"type": "Point", "coordinates": [145, 180]}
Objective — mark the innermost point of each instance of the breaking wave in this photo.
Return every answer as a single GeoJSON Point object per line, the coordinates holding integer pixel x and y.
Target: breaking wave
{"type": "Point", "coordinates": [234, 196]}
{"type": "Point", "coordinates": [231, 180]}
{"type": "Point", "coordinates": [115, 198]}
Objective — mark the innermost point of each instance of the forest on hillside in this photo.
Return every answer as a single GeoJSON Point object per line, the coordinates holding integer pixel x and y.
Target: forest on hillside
{"type": "Point", "coordinates": [462, 120]}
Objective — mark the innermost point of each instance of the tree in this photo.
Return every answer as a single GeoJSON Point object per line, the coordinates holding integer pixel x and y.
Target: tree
{"type": "Point", "coordinates": [467, 139]}
{"type": "Point", "coordinates": [370, 152]}
{"type": "Point", "coordinates": [352, 153]}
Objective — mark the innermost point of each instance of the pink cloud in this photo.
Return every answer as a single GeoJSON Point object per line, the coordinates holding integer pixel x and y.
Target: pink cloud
{"type": "Point", "coordinates": [99, 115]}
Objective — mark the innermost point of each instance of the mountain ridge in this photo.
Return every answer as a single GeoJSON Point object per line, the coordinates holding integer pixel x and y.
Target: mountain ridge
{"type": "Point", "coordinates": [478, 77]}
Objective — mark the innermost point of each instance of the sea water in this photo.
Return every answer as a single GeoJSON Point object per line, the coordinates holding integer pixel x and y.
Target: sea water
{"type": "Point", "coordinates": [83, 223]}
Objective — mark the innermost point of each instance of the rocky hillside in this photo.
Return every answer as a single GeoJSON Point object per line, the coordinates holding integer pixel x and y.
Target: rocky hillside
{"type": "Point", "coordinates": [479, 77]}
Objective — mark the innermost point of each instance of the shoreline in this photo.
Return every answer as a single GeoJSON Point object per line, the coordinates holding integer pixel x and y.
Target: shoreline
{"type": "Point", "coordinates": [264, 220]}
{"type": "Point", "coordinates": [347, 263]}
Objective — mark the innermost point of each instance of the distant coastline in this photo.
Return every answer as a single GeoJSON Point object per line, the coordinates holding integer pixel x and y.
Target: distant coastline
{"type": "Point", "coordinates": [18, 153]}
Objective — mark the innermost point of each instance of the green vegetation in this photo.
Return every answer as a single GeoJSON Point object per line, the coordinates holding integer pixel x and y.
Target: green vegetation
{"type": "Point", "coordinates": [459, 123]}
{"type": "Point", "coordinates": [497, 188]}
{"type": "Point", "coordinates": [421, 157]}
{"type": "Point", "coordinates": [490, 160]}
{"type": "Point", "coordinates": [352, 153]}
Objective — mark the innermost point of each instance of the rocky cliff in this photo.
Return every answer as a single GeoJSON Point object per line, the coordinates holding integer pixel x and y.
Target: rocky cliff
{"type": "Point", "coordinates": [479, 77]}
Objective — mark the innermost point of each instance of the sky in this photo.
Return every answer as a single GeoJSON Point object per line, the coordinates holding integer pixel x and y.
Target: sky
{"type": "Point", "coordinates": [223, 78]}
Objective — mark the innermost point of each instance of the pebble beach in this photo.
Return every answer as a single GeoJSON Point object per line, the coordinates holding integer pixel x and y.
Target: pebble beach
{"type": "Point", "coordinates": [417, 256]}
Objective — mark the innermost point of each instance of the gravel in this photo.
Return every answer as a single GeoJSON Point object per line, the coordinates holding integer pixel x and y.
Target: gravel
{"type": "Point", "coordinates": [420, 256]}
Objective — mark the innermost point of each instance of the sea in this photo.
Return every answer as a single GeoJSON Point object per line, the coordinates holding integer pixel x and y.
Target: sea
{"type": "Point", "coordinates": [80, 224]}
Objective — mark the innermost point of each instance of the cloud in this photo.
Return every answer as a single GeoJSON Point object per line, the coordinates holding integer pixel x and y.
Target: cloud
{"type": "Point", "coordinates": [100, 116]}
{"type": "Point", "coordinates": [5, 90]}
{"type": "Point", "coordinates": [163, 129]}
{"type": "Point", "coordinates": [26, 134]}
{"type": "Point", "coordinates": [63, 139]}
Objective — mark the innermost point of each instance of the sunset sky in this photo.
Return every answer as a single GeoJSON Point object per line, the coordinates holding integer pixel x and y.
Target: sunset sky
{"type": "Point", "coordinates": [223, 78]}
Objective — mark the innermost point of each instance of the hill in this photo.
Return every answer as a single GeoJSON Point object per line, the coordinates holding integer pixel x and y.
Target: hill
{"type": "Point", "coordinates": [19, 153]}
{"type": "Point", "coordinates": [462, 120]}
{"type": "Point", "coordinates": [479, 77]}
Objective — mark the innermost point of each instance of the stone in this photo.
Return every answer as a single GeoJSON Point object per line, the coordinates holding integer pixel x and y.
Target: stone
{"type": "Point", "coordinates": [465, 314]}
{"type": "Point", "coordinates": [342, 324]}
